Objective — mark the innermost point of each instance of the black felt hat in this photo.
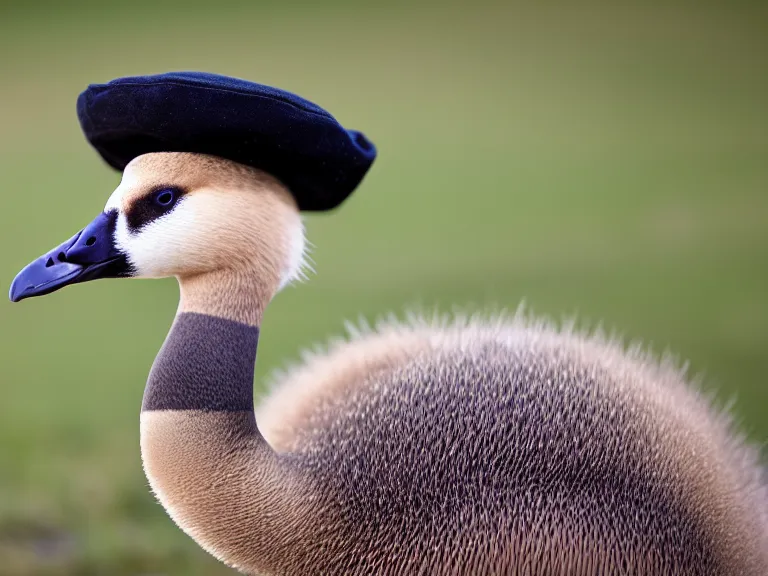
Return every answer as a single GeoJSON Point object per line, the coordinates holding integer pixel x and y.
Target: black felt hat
{"type": "Point", "coordinates": [293, 139]}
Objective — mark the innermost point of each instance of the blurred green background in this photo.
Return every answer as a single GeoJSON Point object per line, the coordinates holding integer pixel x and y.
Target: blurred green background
{"type": "Point", "coordinates": [609, 161]}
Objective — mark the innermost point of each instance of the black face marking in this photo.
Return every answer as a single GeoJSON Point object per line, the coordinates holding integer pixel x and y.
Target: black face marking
{"type": "Point", "coordinates": [161, 201]}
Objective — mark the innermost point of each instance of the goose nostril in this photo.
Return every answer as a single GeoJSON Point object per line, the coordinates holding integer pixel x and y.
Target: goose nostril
{"type": "Point", "coordinates": [91, 241]}
{"type": "Point", "coordinates": [49, 263]}
{"type": "Point", "coordinates": [61, 257]}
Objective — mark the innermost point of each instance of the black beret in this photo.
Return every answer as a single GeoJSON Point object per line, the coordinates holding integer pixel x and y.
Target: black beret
{"type": "Point", "coordinates": [291, 138]}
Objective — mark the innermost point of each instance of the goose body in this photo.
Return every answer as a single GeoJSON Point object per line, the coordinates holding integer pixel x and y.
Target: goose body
{"type": "Point", "coordinates": [506, 446]}
{"type": "Point", "coordinates": [498, 446]}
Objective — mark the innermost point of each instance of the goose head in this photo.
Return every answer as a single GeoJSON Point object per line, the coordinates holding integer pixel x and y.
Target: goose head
{"type": "Point", "coordinates": [184, 215]}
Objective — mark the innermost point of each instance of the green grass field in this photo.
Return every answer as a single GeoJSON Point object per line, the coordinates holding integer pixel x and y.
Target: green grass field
{"type": "Point", "coordinates": [609, 162]}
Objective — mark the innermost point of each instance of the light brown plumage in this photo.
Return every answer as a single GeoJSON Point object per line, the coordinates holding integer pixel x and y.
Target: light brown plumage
{"type": "Point", "coordinates": [497, 446]}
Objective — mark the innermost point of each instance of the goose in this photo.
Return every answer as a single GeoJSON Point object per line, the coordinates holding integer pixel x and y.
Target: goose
{"type": "Point", "coordinates": [484, 445]}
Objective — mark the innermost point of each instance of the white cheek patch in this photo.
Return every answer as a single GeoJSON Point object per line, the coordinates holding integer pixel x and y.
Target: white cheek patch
{"type": "Point", "coordinates": [165, 246]}
{"type": "Point", "coordinates": [202, 231]}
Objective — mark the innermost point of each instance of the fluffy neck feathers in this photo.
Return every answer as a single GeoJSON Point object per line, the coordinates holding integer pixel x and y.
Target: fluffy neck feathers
{"type": "Point", "coordinates": [240, 296]}
{"type": "Point", "coordinates": [203, 454]}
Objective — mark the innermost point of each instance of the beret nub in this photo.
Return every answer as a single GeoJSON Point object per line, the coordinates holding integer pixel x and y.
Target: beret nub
{"type": "Point", "coordinates": [293, 139]}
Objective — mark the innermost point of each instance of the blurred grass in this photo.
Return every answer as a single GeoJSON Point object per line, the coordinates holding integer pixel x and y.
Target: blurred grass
{"type": "Point", "coordinates": [605, 160]}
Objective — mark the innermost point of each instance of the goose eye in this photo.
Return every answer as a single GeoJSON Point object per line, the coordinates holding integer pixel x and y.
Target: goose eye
{"type": "Point", "coordinates": [165, 197]}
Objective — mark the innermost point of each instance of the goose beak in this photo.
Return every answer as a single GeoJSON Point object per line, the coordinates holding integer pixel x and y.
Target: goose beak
{"type": "Point", "coordinates": [88, 255]}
